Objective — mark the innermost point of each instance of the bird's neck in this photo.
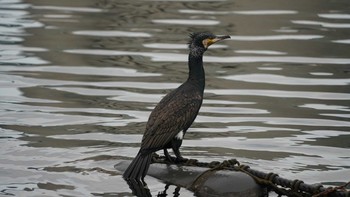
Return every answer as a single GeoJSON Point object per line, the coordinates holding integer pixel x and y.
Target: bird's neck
{"type": "Point", "coordinates": [196, 71]}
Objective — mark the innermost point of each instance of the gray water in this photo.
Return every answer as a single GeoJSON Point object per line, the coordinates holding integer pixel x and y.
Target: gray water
{"type": "Point", "coordinates": [78, 80]}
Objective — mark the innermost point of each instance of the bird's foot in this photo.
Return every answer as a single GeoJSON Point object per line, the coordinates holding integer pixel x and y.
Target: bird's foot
{"type": "Point", "coordinates": [169, 159]}
{"type": "Point", "coordinates": [179, 160]}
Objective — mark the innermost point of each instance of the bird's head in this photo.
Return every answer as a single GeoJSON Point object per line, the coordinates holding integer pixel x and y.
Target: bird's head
{"type": "Point", "coordinates": [199, 42]}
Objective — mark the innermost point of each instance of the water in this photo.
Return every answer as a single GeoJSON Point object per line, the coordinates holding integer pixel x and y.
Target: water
{"type": "Point", "coordinates": [78, 80]}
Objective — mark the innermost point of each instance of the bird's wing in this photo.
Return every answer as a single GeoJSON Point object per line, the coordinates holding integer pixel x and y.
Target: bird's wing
{"type": "Point", "coordinates": [174, 113]}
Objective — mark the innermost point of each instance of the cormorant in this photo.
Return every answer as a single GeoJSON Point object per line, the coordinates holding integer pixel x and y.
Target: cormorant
{"type": "Point", "coordinates": [175, 113]}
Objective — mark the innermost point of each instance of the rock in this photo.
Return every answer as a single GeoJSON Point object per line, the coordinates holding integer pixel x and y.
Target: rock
{"type": "Point", "coordinates": [211, 183]}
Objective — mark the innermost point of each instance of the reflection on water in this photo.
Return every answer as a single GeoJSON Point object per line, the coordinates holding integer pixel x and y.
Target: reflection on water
{"type": "Point", "coordinates": [284, 80]}
{"type": "Point", "coordinates": [78, 80]}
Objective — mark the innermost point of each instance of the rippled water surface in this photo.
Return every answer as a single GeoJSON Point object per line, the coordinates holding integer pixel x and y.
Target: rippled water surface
{"type": "Point", "coordinates": [78, 80]}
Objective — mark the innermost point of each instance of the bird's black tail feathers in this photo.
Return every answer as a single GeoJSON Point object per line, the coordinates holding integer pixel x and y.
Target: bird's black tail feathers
{"type": "Point", "coordinates": [138, 168]}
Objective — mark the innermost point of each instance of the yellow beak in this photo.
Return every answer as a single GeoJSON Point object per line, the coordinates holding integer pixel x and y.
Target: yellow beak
{"type": "Point", "coordinates": [210, 41]}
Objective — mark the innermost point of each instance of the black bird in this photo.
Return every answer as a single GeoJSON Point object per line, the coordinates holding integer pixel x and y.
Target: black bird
{"type": "Point", "coordinates": [175, 113]}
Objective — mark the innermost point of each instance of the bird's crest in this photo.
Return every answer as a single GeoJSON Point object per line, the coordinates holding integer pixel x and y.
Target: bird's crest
{"type": "Point", "coordinates": [192, 36]}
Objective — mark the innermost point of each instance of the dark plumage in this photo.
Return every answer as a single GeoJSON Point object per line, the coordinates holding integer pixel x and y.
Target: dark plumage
{"type": "Point", "coordinates": [175, 113]}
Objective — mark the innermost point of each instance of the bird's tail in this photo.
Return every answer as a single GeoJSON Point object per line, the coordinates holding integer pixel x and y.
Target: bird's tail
{"type": "Point", "coordinates": [138, 168]}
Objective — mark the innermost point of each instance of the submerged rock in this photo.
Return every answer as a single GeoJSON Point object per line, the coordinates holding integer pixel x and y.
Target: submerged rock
{"type": "Point", "coordinates": [202, 181]}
